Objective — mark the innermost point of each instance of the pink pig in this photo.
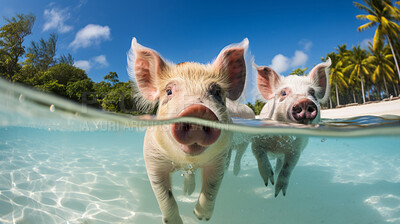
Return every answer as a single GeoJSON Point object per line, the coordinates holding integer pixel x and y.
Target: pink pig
{"type": "Point", "coordinates": [188, 90]}
{"type": "Point", "coordinates": [294, 99]}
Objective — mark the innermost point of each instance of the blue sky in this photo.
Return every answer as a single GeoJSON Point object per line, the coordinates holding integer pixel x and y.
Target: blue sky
{"type": "Point", "coordinates": [283, 34]}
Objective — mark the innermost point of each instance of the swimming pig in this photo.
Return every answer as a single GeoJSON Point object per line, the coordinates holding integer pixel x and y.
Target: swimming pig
{"type": "Point", "coordinates": [188, 90]}
{"type": "Point", "coordinates": [293, 99]}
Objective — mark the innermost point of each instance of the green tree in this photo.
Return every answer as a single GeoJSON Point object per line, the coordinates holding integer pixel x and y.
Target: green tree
{"type": "Point", "coordinates": [44, 81]}
{"type": "Point", "coordinates": [381, 60]}
{"type": "Point", "coordinates": [384, 15]}
{"type": "Point", "coordinates": [12, 36]}
{"type": "Point", "coordinates": [81, 91]}
{"type": "Point", "coordinates": [299, 71]}
{"type": "Point", "coordinates": [112, 78]}
{"type": "Point", "coordinates": [43, 53]}
{"type": "Point", "coordinates": [358, 67]}
{"type": "Point", "coordinates": [337, 77]}
{"type": "Point", "coordinates": [257, 107]}
{"type": "Point", "coordinates": [66, 59]}
{"type": "Point", "coordinates": [66, 73]}
{"type": "Point", "coordinates": [119, 98]}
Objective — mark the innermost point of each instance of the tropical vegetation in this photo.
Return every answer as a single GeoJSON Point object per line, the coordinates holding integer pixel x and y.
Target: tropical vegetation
{"type": "Point", "coordinates": [38, 67]}
{"type": "Point", "coordinates": [358, 74]}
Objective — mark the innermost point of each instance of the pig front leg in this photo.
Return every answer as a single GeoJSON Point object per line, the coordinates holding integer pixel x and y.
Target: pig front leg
{"type": "Point", "coordinates": [212, 178]}
{"type": "Point", "coordinates": [240, 150]}
{"type": "Point", "coordinates": [288, 164]}
{"type": "Point", "coordinates": [189, 183]}
{"type": "Point", "coordinates": [158, 171]}
{"type": "Point", "coordinates": [264, 166]}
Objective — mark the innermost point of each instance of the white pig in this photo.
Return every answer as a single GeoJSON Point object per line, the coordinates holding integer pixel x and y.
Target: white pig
{"type": "Point", "coordinates": [293, 99]}
{"type": "Point", "coordinates": [194, 90]}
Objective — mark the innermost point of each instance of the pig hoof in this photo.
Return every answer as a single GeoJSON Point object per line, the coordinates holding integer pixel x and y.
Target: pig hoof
{"type": "Point", "coordinates": [202, 213]}
{"type": "Point", "coordinates": [172, 220]}
{"type": "Point", "coordinates": [281, 185]}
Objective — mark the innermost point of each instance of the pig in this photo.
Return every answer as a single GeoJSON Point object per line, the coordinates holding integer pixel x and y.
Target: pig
{"type": "Point", "coordinates": [293, 99]}
{"type": "Point", "coordinates": [241, 140]}
{"type": "Point", "coordinates": [188, 89]}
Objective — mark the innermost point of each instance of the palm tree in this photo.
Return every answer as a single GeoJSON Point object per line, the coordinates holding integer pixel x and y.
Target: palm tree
{"type": "Point", "coordinates": [383, 14]}
{"type": "Point", "coordinates": [337, 78]}
{"type": "Point", "coordinates": [358, 67]}
{"type": "Point", "coordinates": [381, 60]}
{"type": "Point", "coordinates": [299, 72]}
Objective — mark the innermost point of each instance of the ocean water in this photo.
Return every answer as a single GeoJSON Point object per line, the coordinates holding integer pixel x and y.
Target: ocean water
{"type": "Point", "coordinates": [65, 163]}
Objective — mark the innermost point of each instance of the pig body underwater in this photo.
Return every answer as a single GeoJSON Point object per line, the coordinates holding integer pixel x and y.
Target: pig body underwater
{"type": "Point", "coordinates": [188, 90]}
{"type": "Point", "coordinates": [293, 99]}
{"type": "Point", "coordinates": [240, 140]}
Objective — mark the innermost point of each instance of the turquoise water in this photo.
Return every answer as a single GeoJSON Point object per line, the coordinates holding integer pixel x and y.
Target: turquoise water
{"type": "Point", "coordinates": [65, 163]}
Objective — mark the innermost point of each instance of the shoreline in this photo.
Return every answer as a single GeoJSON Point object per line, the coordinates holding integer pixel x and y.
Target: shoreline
{"type": "Point", "coordinates": [379, 108]}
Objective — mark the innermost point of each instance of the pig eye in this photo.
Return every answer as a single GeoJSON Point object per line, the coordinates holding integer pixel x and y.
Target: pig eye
{"type": "Point", "coordinates": [216, 91]}
{"type": "Point", "coordinates": [311, 92]}
{"type": "Point", "coordinates": [169, 92]}
{"type": "Point", "coordinates": [283, 93]}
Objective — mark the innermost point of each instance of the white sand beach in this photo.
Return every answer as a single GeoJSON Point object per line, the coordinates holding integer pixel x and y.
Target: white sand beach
{"type": "Point", "coordinates": [376, 108]}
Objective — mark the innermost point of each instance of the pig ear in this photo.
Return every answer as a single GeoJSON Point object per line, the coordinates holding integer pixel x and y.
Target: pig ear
{"type": "Point", "coordinates": [145, 66]}
{"type": "Point", "coordinates": [231, 60]}
{"type": "Point", "coordinates": [267, 81]}
{"type": "Point", "coordinates": [320, 76]}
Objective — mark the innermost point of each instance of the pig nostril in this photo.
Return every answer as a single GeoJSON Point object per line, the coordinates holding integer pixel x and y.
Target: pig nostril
{"type": "Point", "coordinates": [206, 129]}
{"type": "Point", "coordinates": [297, 109]}
{"type": "Point", "coordinates": [310, 109]}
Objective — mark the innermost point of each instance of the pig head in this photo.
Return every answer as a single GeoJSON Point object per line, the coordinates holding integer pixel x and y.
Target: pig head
{"type": "Point", "coordinates": [293, 99]}
{"type": "Point", "coordinates": [188, 90]}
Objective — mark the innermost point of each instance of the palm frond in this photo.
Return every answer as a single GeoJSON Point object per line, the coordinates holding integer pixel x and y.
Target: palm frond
{"type": "Point", "coordinates": [378, 37]}
{"type": "Point", "coordinates": [363, 7]}
{"type": "Point", "coordinates": [366, 26]}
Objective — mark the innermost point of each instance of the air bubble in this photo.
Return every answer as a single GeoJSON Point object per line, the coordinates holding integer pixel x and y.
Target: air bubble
{"type": "Point", "coordinates": [21, 98]}
{"type": "Point", "coordinates": [52, 108]}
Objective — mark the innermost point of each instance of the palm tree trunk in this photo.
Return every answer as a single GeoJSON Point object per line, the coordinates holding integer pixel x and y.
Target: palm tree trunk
{"type": "Point", "coordinates": [394, 55]}
{"type": "Point", "coordinates": [378, 92]}
{"type": "Point", "coordinates": [362, 88]}
{"type": "Point", "coordinates": [386, 89]}
{"type": "Point", "coordinates": [330, 102]}
{"type": "Point", "coordinates": [394, 89]}
{"type": "Point", "coordinates": [354, 96]}
{"type": "Point", "coordinates": [337, 95]}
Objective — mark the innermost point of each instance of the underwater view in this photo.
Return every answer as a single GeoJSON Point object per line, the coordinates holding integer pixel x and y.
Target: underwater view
{"type": "Point", "coordinates": [61, 162]}
{"type": "Point", "coordinates": [185, 112]}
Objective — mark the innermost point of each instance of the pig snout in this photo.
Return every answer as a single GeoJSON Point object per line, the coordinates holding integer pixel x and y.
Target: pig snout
{"type": "Point", "coordinates": [304, 111]}
{"type": "Point", "coordinates": [195, 138]}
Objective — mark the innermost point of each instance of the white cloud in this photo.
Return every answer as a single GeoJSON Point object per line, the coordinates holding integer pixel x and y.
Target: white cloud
{"type": "Point", "coordinates": [307, 44]}
{"type": "Point", "coordinates": [90, 35]}
{"type": "Point", "coordinates": [299, 59]}
{"type": "Point", "coordinates": [101, 60]}
{"type": "Point", "coordinates": [97, 62]}
{"type": "Point", "coordinates": [83, 64]}
{"type": "Point", "coordinates": [281, 63]}
{"type": "Point", "coordinates": [55, 19]}
{"type": "Point", "coordinates": [365, 43]}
